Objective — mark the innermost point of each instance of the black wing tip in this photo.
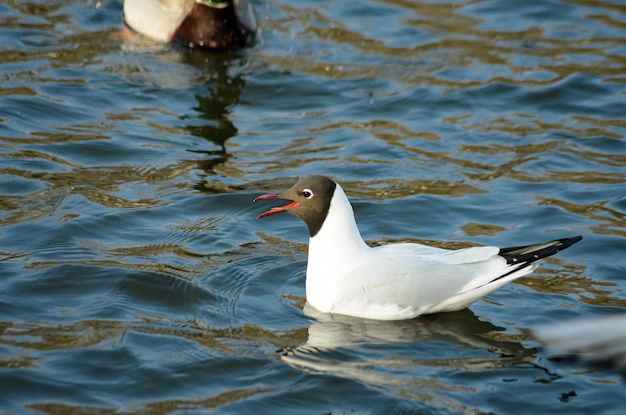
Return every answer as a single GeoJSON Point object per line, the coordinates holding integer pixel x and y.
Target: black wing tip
{"type": "Point", "coordinates": [531, 253]}
{"type": "Point", "coordinates": [567, 242]}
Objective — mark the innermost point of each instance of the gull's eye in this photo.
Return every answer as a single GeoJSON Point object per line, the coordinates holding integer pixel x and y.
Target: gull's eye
{"type": "Point", "coordinates": [307, 193]}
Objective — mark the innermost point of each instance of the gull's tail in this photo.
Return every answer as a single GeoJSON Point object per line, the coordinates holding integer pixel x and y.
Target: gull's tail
{"type": "Point", "coordinates": [528, 254]}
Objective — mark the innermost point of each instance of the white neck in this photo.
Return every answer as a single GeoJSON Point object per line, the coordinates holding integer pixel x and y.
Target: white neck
{"type": "Point", "coordinates": [338, 243]}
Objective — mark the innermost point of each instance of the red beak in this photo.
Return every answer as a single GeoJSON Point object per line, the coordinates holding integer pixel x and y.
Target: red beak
{"type": "Point", "coordinates": [274, 210]}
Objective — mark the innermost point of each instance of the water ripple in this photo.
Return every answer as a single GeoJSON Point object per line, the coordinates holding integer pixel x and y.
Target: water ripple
{"type": "Point", "coordinates": [127, 234]}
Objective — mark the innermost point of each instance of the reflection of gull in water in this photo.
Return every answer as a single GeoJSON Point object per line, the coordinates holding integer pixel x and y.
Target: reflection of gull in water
{"type": "Point", "coordinates": [595, 340]}
{"type": "Point", "coordinates": [405, 353]}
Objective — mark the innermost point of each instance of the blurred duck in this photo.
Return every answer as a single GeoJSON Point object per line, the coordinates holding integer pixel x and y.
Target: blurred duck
{"type": "Point", "coordinates": [209, 24]}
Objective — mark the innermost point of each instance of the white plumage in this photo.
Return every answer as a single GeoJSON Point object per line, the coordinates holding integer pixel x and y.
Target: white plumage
{"type": "Point", "coordinates": [397, 281]}
{"type": "Point", "coordinates": [595, 340]}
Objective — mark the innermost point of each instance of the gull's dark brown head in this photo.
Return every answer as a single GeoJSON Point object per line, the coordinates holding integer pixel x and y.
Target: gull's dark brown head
{"type": "Point", "coordinates": [310, 199]}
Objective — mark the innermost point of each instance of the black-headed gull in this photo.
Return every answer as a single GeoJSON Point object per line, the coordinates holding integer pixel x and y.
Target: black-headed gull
{"type": "Point", "coordinates": [396, 281]}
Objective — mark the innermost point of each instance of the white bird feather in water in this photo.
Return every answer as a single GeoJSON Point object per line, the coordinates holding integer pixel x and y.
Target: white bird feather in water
{"type": "Point", "coordinates": [595, 340]}
{"type": "Point", "coordinates": [396, 281]}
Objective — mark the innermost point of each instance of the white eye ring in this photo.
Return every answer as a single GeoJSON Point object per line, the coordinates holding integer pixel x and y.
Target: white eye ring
{"type": "Point", "coordinates": [307, 193]}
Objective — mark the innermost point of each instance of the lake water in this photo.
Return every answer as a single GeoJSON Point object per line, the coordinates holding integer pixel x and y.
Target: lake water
{"type": "Point", "coordinates": [134, 277]}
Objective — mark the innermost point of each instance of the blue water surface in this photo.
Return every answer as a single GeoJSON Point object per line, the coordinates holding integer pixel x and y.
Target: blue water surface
{"type": "Point", "coordinates": [134, 277]}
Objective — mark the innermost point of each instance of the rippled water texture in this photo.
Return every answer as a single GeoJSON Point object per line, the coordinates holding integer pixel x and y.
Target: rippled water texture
{"type": "Point", "coordinates": [134, 277]}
